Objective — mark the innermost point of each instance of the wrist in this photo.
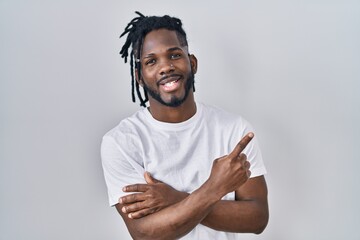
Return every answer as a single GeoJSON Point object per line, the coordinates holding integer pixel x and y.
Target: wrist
{"type": "Point", "coordinates": [213, 193]}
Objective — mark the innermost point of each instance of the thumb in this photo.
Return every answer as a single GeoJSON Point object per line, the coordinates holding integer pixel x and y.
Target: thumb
{"type": "Point", "coordinates": [149, 179]}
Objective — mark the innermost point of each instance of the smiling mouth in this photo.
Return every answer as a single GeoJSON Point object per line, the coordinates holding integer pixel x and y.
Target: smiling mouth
{"type": "Point", "coordinates": [169, 79]}
{"type": "Point", "coordinates": [170, 84]}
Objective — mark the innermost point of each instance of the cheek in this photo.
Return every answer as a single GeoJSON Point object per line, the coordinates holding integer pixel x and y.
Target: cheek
{"type": "Point", "coordinates": [148, 73]}
{"type": "Point", "coordinates": [144, 76]}
{"type": "Point", "coordinates": [147, 79]}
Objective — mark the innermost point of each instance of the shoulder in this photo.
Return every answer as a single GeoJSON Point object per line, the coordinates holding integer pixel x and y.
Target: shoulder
{"type": "Point", "coordinates": [128, 128]}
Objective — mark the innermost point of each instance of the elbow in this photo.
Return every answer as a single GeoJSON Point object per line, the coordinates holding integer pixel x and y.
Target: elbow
{"type": "Point", "coordinates": [138, 231]}
{"type": "Point", "coordinates": [143, 234]}
{"type": "Point", "coordinates": [260, 229]}
{"type": "Point", "coordinates": [170, 232]}
{"type": "Point", "coordinates": [148, 234]}
{"type": "Point", "coordinates": [262, 223]}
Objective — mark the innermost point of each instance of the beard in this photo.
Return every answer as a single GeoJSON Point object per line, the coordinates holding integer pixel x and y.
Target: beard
{"type": "Point", "coordinates": [174, 101]}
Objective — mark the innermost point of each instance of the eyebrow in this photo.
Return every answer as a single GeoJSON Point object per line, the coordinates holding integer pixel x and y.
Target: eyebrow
{"type": "Point", "coordinates": [168, 50]}
{"type": "Point", "coordinates": [174, 49]}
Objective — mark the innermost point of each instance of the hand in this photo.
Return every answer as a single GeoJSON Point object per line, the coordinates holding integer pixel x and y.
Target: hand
{"type": "Point", "coordinates": [150, 197]}
{"type": "Point", "coordinates": [228, 173]}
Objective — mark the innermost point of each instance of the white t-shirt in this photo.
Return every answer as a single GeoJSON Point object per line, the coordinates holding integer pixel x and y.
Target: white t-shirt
{"type": "Point", "coordinates": [178, 154]}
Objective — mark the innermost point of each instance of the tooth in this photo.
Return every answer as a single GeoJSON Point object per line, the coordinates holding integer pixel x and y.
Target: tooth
{"type": "Point", "coordinates": [170, 83]}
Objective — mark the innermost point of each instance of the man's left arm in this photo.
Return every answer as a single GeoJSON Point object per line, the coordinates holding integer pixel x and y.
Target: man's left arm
{"type": "Point", "coordinates": [249, 212]}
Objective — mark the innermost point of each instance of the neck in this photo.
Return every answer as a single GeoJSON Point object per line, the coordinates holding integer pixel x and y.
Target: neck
{"type": "Point", "coordinates": [173, 114]}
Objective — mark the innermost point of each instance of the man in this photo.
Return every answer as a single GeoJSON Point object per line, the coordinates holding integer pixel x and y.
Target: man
{"type": "Point", "coordinates": [176, 169]}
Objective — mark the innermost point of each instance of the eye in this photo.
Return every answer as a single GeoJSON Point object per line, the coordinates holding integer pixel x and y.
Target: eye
{"type": "Point", "coordinates": [150, 62]}
{"type": "Point", "coordinates": [175, 56]}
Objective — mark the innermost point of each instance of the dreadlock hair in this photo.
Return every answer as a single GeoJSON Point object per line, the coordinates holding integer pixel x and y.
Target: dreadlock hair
{"type": "Point", "coordinates": [137, 30]}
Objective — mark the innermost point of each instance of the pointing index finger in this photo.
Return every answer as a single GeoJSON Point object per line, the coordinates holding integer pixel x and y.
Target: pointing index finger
{"type": "Point", "coordinates": [242, 144]}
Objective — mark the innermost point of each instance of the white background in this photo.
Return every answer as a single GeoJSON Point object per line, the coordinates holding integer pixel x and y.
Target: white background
{"type": "Point", "coordinates": [292, 68]}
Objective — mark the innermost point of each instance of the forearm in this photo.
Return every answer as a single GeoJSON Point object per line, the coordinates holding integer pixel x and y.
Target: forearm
{"type": "Point", "coordinates": [237, 216]}
{"type": "Point", "coordinates": [176, 220]}
{"type": "Point", "coordinates": [248, 216]}
{"type": "Point", "coordinates": [247, 213]}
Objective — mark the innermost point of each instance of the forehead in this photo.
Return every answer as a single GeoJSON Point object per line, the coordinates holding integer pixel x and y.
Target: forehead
{"type": "Point", "coordinates": [160, 40]}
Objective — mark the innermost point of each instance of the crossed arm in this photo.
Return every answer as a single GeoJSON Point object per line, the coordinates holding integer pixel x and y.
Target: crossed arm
{"type": "Point", "coordinates": [157, 211]}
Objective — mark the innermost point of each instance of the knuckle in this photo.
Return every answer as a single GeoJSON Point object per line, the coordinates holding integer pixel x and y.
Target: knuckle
{"type": "Point", "coordinates": [128, 208]}
{"type": "Point", "coordinates": [151, 203]}
{"type": "Point", "coordinates": [147, 212]}
{"type": "Point", "coordinates": [241, 145]}
{"type": "Point", "coordinates": [142, 214]}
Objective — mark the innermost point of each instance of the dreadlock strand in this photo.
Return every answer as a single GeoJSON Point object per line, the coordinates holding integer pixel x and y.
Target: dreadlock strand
{"type": "Point", "coordinates": [130, 29]}
{"type": "Point", "coordinates": [132, 77]}
{"type": "Point", "coordinates": [142, 102]}
{"type": "Point", "coordinates": [146, 96]}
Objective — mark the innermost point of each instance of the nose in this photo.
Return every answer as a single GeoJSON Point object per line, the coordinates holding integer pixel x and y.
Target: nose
{"type": "Point", "coordinates": [166, 68]}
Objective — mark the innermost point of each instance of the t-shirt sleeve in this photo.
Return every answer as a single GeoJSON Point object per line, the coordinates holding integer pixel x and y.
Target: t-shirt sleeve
{"type": "Point", "coordinates": [253, 152]}
{"type": "Point", "coordinates": [122, 165]}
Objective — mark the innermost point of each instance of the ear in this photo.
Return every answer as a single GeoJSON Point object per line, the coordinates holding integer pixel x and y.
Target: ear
{"type": "Point", "coordinates": [193, 63]}
{"type": "Point", "coordinates": [138, 78]}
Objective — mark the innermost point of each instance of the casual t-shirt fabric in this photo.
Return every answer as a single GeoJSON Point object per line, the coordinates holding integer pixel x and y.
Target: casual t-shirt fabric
{"type": "Point", "coordinates": [178, 154]}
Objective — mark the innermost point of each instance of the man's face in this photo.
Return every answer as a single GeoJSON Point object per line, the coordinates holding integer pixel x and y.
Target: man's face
{"type": "Point", "coordinates": [167, 70]}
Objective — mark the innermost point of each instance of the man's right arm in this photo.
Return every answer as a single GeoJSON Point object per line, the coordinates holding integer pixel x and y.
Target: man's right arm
{"type": "Point", "coordinates": [228, 174]}
{"type": "Point", "coordinates": [174, 221]}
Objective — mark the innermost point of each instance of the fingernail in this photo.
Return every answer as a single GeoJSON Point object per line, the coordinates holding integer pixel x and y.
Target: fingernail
{"type": "Point", "coordinates": [124, 189]}
{"type": "Point", "coordinates": [123, 209]}
{"type": "Point", "coordinates": [120, 200]}
{"type": "Point", "coordinates": [251, 135]}
{"type": "Point", "coordinates": [129, 215]}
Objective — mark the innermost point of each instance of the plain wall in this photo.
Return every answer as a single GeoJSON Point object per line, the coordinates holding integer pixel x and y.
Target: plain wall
{"type": "Point", "coordinates": [292, 68]}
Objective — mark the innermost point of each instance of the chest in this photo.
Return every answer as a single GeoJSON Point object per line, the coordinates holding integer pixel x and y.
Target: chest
{"type": "Point", "coordinates": [184, 159]}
